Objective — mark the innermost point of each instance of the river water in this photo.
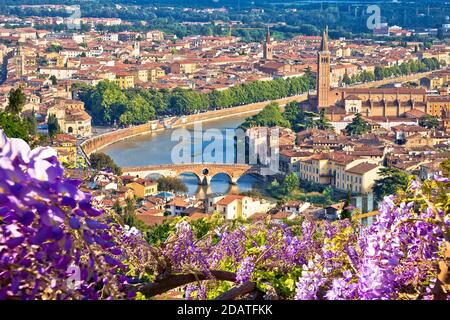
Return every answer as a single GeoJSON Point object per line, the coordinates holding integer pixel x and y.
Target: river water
{"type": "Point", "coordinates": [156, 148]}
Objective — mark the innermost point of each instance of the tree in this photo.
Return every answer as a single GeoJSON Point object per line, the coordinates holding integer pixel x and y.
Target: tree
{"type": "Point", "coordinates": [346, 212]}
{"type": "Point", "coordinates": [392, 179]}
{"type": "Point", "coordinates": [429, 121]}
{"type": "Point", "coordinates": [30, 123]}
{"type": "Point", "coordinates": [16, 101]}
{"type": "Point", "coordinates": [54, 80]}
{"type": "Point", "coordinates": [54, 48]}
{"type": "Point", "coordinates": [290, 183]}
{"type": "Point", "coordinates": [322, 123]}
{"type": "Point", "coordinates": [13, 126]}
{"type": "Point", "coordinates": [53, 125]}
{"type": "Point", "coordinates": [292, 113]}
{"type": "Point", "coordinates": [346, 79]}
{"type": "Point", "coordinates": [270, 116]}
{"type": "Point", "coordinates": [328, 194]}
{"type": "Point", "coordinates": [358, 126]}
{"type": "Point", "coordinates": [101, 161]}
{"type": "Point", "coordinates": [171, 184]}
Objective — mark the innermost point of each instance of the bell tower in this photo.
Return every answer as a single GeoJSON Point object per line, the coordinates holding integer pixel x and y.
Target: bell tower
{"type": "Point", "coordinates": [323, 72]}
{"type": "Point", "coordinates": [267, 54]}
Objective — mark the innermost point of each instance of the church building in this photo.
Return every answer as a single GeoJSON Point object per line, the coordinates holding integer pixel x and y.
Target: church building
{"type": "Point", "coordinates": [370, 102]}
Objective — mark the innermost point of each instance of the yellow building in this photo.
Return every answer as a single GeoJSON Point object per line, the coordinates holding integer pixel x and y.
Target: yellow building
{"type": "Point", "coordinates": [124, 80]}
{"type": "Point", "coordinates": [438, 104]}
{"type": "Point", "coordinates": [341, 171]}
{"type": "Point", "coordinates": [359, 179]}
{"type": "Point", "coordinates": [143, 188]}
{"type": "Point", "coordinates": [71, 116]}
{"type": "Point", "coordinates": [66, 148]}
{"type": "Point", "coordinates": [154, 74]}
{"type": "Point", "coordinates": [140, 75]}
{"type": "Point", "coordinates": [186, 67]}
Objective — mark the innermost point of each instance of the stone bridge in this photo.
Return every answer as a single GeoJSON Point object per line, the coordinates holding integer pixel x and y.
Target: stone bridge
{"type": "Point", "coordinates": [204, 171]}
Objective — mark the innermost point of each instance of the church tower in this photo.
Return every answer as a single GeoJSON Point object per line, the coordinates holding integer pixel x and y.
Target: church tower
{"type": "Point", "coordinates": [323, 72]}
{"type": "Point", "coordinates": [267, 54]}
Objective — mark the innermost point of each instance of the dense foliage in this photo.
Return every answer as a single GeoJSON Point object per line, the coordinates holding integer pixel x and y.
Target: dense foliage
{"type": "Point", "coordinates": [14, 126]}
{"type": "Point", "coordinates": [293, 117]}
{"type": "Point", "coordinates": [48, 228]}
{"type": "Point", "coordinates": [390, 182]}
{"type": "Point", "coordinates": [172, 184]}
{"type": "Point", "coordinates": [16, 101]}
{"type": "Point", "coordinates": [406, 68]}
{"type": "Point", "coordinates": [53, 127]}
{"type": "Point", "coordinates": [101, 161]}
{"type": "Point", "coordinates": [430, 122]}
{"type": "Point", "coordinates": [108, 104]}
{"type": "Point", "coordinates": [302, 120]}
{"type": "Point", "coordinates": [358, 126]}
{"type": "Point", "coordinates": [270, 116]}
{"type": "Point", "coordinates": [403, 69]}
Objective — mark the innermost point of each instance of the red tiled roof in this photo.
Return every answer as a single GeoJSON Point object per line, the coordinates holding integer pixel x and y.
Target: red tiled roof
{"type": "Point", "coordinates": [362, 168]}
{"type": "Point", "coordinates": [229, 199]}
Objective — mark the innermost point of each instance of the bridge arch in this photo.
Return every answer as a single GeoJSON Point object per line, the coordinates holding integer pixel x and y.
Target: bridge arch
{"type": "Point", "coordinates": [204, 172]}
{"type": "Point", "coordinates": [191, 173]}
{"type": "Point", "coordinates": [224, 174]}
{"type": "Point", "coordinates": [154, 176]}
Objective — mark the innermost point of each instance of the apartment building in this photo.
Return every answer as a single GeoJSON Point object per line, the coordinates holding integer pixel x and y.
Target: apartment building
{"type": "Point", "coordinates": [342, 171]}
{"type": "Point", "coordinates": [237, 206]}
{"type": "Point", "coordinates": [143, 188]}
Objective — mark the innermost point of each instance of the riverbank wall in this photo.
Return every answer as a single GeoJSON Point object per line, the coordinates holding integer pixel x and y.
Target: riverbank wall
{"type": "Point", "coordinates": [98, 142]}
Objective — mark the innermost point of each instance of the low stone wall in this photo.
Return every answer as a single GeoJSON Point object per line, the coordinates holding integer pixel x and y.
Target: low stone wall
{"type": "Point", "coordinates": [108, 138]}
{"type": "Point", "coordinates": [96, 143]}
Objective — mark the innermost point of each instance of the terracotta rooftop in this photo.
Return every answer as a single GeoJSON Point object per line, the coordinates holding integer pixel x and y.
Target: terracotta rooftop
{"type": "Point", "coordinates": [362, 168]}
{"type": "Point", "coordinates": [178, 202]}
{"type": "Point", "coordinates": [229, 199]}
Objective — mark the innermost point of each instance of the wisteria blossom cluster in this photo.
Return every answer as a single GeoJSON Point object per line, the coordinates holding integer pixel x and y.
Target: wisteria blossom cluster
{"type": "Point", "coordinates": [53, 243]}
{"type": "Point", "coordinates": [396, 257]}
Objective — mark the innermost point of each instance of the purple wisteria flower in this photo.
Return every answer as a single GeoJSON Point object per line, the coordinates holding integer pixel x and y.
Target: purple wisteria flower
{"type": "Point", "coordinates": [245, 270]}
{"type": "Point", "coordinates": [53, 243]}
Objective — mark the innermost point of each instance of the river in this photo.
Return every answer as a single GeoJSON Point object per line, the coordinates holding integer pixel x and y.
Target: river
{"type": "Point", "coordinates": [156, 148]}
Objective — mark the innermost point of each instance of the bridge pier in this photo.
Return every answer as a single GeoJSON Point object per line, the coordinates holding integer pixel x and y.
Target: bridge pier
{"type": "Point", "coordinates": [234, 180]}
{"type": "Point", "coordinates": [206, 181]}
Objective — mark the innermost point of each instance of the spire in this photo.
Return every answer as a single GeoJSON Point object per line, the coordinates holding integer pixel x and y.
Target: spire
{"type": "Point", "coordinates": [268, 36]}
{"type": "Point", "coordinates": [324, 45]}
